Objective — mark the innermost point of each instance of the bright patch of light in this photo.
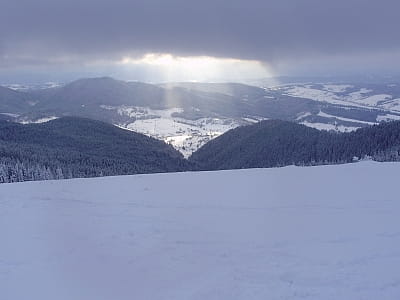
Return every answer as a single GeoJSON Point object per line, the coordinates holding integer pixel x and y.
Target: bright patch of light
{"type": "Point", "coordinates": [199, 68]}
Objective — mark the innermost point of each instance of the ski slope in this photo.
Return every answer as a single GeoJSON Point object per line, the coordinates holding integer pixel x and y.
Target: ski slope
{"type": "Point", "coordinates": [328, 232]}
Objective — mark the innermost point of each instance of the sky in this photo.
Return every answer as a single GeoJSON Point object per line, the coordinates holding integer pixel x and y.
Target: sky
{"type": "Point", "coordinates": [185, 40]}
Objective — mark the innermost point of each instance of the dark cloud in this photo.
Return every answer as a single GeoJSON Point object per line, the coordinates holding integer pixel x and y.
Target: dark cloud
{"type": "Point", "coordinates": [65, 31]}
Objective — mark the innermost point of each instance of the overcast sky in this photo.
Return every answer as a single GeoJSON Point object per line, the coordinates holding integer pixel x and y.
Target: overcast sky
{"type": "Point", "coordinates": [287, 37]}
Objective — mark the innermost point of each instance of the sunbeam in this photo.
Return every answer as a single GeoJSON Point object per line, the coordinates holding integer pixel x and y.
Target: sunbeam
{"type": "Point", "coordinates": [199, 68]}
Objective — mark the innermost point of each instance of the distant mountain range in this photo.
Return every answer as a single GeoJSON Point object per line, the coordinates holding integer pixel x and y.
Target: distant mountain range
{"type": "Point", "coordinates": [187, 115]}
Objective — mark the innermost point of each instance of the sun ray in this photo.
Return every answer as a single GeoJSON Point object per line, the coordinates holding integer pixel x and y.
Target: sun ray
{"type": "Point", "coordinates": [200, 68]}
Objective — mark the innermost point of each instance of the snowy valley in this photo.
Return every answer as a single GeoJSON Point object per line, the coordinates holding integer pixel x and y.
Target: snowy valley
{"type": "Point", "coordinates": [185, 135]}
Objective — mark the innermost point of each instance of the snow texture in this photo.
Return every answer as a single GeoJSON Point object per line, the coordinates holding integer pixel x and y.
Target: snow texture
{"type": "Point", "coordinates": [328, 232]}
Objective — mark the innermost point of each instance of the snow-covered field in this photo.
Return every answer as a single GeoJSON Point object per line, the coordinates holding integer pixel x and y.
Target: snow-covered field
{"type": "Point", "coordinates": [329, 232]}
{"type": "Point", "coordinates": [329, 127]}
{"type": "Point", "coordinates": [336, 94]}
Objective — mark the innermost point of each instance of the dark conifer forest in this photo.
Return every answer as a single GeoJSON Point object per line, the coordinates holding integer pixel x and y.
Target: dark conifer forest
{"type": "Point", "coordinates": [275, 143]}
{"type": "Point", "coordinates": [73, 147]}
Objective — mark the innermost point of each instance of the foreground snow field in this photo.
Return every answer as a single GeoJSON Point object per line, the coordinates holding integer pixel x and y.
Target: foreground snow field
{"type": "Point", "coordinates": [329, 232]}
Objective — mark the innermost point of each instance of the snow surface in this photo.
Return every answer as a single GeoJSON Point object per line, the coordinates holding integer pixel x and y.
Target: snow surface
{"type": "Point", "coordinates": [387, 117]}
{"type": "Point", "coordinates": [303, 115]}
{"type": "Point", "coordinates": [24, 87]}
{"type": "Point", "coordinates": [334, 94]}
{"type": "Point", "coordinates": [329, 127]}
{"type": "Point", "coordinates": [337, 88]}
{"type": "Point", "coordinates": [325, 115]}
{"type": "Point", "coordinates": [39, 121]}
{"type": "Point", "coordinates": [329, 232]}
{"type": "Point", "coordinates": [10, 115]}
{"type": "Point", "coordinates": [319, 95]}
{"type": "Point", "coordinates": [392, 105]}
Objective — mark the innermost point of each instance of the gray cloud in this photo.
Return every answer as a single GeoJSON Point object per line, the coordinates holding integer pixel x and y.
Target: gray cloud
{"type": "Point", "coordinates": [75, 31]}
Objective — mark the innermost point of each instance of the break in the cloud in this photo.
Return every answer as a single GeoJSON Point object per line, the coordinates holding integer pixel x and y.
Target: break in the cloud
{"type": "Point", "coordinates": [287, 36]}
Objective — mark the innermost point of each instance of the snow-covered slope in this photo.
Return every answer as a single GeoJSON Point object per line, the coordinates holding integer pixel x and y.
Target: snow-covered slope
{"type": "Point", "coordinates": [344, 95]}
{"type": "Point", "coordinates": [329, 232]}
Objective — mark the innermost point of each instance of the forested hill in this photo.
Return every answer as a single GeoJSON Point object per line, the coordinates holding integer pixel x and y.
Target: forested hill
{"type": "Point", "coordinates": [72, 147]}
{"type": "Point", "coordinates": [275, 143]}
{"type": "Point", "coordinates": [76, 147]}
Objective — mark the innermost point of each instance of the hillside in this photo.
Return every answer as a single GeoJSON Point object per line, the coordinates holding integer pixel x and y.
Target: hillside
{"type": "Point", "coordinates": [73, 147]}
{"type": "Point", "coordinates": [326, 232]}
{"type": "Point", "coordinates": [188, 115]}
{"type": "Point", "coordinates": [12, 102]}
{"type": "Point", "coordinates": [274, 143]}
